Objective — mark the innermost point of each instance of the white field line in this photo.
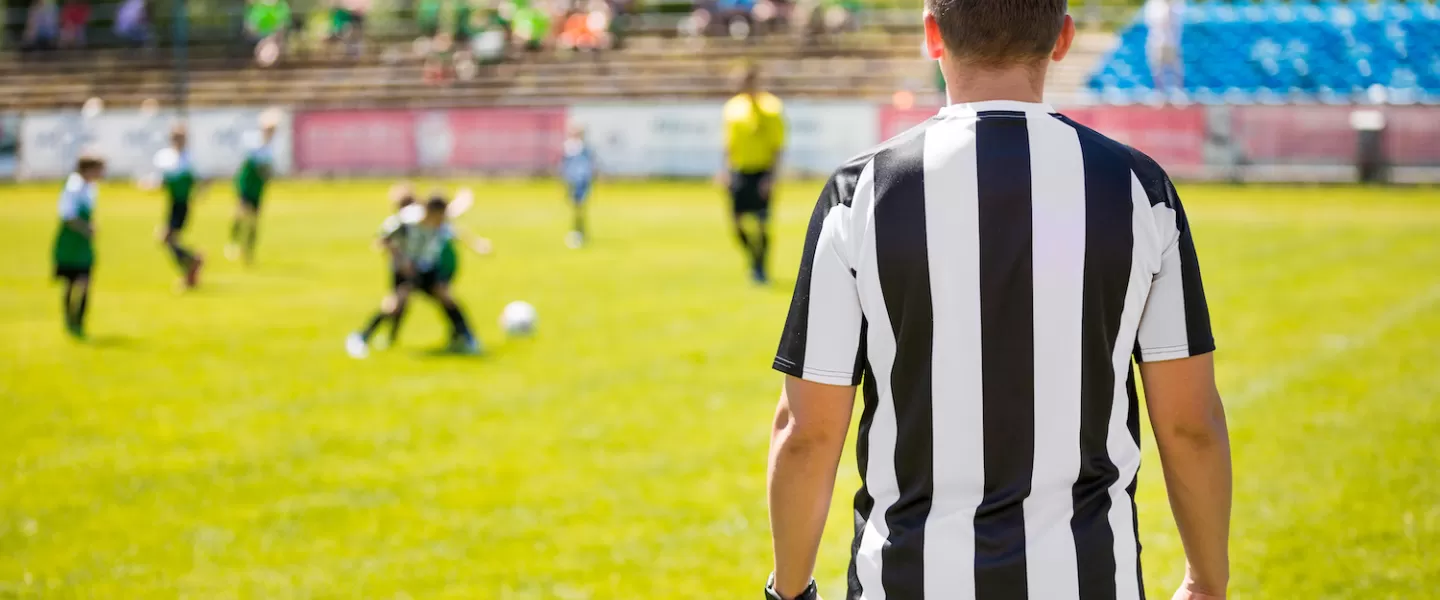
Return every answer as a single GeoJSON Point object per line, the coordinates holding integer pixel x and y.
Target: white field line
{"type": "Point", "coordinates": [1335, 347]}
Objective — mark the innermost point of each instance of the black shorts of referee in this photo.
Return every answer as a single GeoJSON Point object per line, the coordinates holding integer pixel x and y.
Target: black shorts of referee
{"type": "Point", "coordinates": [749, 194]}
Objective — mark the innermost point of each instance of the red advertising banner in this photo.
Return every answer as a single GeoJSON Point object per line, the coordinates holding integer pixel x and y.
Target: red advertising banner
{"type": "Point", "coordinates": [511, 140]}
{"type": "Point", "coordinates": [380, 141]}
{"type": "Point", "coordinates": [1412, 135]}
{"type": "Point", "coordinates": [1172, 135]}
{"type": "Point", "coordinates": [1304, 135]}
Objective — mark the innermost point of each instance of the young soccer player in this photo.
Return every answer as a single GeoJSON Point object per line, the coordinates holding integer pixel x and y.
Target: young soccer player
{"type": "Point", "coordinates": [177, 176]}
{"type": "Point", "coordinates": [402, 196]}
{"type": "Point", "coordinates": [423, 247]}
{"type": "Point", "coordinates": [578, 171]}
{"type": "Point", "coordinates": [75, 242]}
{"type": "Point", "coordinates": [250, 181]}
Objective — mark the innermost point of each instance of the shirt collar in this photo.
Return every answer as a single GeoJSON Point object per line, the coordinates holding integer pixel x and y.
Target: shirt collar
{"type": "Point", "coordinates": [970, 108]}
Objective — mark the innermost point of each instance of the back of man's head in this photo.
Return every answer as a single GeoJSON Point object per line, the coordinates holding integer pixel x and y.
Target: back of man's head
{"type": "Point", "coordinates": [998, 33]}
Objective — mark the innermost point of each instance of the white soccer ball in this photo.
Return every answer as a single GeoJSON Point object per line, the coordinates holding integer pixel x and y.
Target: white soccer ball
{"type": "Point", "coordinates": [518, 319]}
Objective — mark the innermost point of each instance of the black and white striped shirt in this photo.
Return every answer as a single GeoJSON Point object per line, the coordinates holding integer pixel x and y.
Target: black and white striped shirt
{"type": "Point", "coordinates": [988, 276]}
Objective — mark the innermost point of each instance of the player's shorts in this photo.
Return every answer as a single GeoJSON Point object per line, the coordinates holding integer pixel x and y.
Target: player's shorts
{"type": "Point", "coordinates": [251, 202]}
{"type": "Point", "coordinates": [579, 190]}
{"type": "Point", "coordinates": [746, 195]}
{"type": "Point", "coordinates": [179, 213]}
{"type": "Point", "coordinates": [72, 272]}
{"type": "Point", "coordinates": [426, 281]}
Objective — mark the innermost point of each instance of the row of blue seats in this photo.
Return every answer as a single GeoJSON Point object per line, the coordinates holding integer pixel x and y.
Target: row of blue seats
{"type": "Point", "coordinates": [1267, 58]}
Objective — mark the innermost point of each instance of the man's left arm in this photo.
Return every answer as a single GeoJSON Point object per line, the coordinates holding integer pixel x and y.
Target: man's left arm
{"type": "Point", "coordinates": [805, 447]}
{"type": "Point", "coordinates": [820, 352]}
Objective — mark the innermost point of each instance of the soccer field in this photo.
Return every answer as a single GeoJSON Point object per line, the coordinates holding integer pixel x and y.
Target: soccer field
{"type": "Point", "coordinates": [220, 444]}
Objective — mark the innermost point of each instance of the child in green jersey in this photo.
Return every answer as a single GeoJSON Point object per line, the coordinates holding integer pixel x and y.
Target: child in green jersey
{"type": "Point", "coordinates": [250, 181]}
{"type": "Point", "coordinates": [75, 241]}
{"type": "Point", "coordinates": [421, 240]}
{"type": "Point", "coordinates": [177, 177]}
{"type": "Point", "coordinates": [402, 195]}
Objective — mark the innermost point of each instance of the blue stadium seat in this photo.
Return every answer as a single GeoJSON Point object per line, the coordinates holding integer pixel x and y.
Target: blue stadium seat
{"type": "Point", "coordinates": [1268, 50]}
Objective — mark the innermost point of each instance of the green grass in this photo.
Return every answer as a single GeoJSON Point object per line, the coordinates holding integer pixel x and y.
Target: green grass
{"type": "Point", "coordinates": [220, 444]}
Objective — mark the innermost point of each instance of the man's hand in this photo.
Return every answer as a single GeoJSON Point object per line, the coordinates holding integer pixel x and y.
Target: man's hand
{"type": "Point", "coordinates": [767, 183]}
{"type": "Point", "coordinates": [482, 246]}
{"type": "Point", "coordinates": [1188, 594]}
{"type": "Point", "coordinates": [722, 178]}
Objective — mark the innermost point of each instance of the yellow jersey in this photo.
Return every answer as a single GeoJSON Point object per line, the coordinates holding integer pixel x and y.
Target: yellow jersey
{"type": "Point", "coordinates": [754, 131]}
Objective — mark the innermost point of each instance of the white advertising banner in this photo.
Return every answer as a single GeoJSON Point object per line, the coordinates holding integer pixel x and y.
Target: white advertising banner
{"type": "Point", "coordinates": [658, 139]}
{"type": "Point", "coordinates": [687, 139]}
{"type": "Point", "coordinates": [128, 140]}
{"type": "Point", "coordinates": [823, 135]}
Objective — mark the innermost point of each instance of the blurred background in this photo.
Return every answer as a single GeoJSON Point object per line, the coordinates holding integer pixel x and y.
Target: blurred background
{"type": "Point", "coordinates": [219, 444]}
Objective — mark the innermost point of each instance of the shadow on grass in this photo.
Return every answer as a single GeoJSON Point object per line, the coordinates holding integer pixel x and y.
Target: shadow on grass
{"type": "Point", "coordinates": [442, 353]}
{"type": "Point", "coordinates": [112, 341]}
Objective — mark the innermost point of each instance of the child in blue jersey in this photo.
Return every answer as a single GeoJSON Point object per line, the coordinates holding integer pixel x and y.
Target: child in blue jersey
{"type": "Point", "coordinates": [577, 169]}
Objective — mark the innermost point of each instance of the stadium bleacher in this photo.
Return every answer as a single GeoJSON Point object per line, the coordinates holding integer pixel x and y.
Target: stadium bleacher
{"type": "Point", "coordinates": [1274, 52]}
{"type": "Point", "coordinates": [872, 63]}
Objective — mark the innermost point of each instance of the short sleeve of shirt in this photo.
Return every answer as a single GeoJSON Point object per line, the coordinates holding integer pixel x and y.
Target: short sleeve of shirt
{"type": "Point", "coordinates": [71, 198]}
{"type": "Point", "coordinates": [391, 227]}
{"type": "Point", "coordinates": [164, 159]}
{"type": "Point", "coordinates": [1176, 320]}
{"type": "Point", "coordinates": [824, 336]}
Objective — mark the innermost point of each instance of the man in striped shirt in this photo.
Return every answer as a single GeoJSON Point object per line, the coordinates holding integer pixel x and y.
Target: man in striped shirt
{"type": "Point", "coordinates": [988, 277]}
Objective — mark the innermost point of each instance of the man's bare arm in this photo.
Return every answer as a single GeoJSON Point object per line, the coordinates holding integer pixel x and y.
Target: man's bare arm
{"type": "Point", "coordinates": [805, 446]}
{"type": "Point", "coordinates": [1189, 422]}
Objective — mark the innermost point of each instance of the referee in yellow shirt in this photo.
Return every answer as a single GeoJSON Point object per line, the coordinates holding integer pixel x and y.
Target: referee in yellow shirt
{"type": "Point", "coordinates": [754, 139]}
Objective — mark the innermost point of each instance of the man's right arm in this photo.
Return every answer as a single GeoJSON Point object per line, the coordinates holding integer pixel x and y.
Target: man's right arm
{"type": "Point", "coordinates": [1188, 418]}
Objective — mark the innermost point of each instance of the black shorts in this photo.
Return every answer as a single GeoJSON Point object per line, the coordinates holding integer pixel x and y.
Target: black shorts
{"type": "Point", "coordinates": [746, 195]}
{"type": "Point", "coordinates": [424, 281]}
{"type": "Point", "coordinates": [251, 202]}
{"type": "Point", "coordinates": [72, 272]}
{"type": "Point", "coordinates": [179, 213]}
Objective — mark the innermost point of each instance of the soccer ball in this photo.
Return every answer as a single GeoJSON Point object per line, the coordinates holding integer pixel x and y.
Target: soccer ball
{"type": "Point", "coordinates": [518, 319]}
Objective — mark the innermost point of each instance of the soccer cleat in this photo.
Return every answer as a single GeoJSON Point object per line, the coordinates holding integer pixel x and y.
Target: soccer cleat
{"type": "Point", "coordinates": [356, 347]}
{"type": "Point", "coordinates": [232, 252]}
{"type": "Point", "coordinates": [574, 240]}
{"type": "Point", "coordinates": [758, 276]}
{"type": "Point", "coordinates": [192, 274]}
{"type": "Point", "coordinates": [466, 345]}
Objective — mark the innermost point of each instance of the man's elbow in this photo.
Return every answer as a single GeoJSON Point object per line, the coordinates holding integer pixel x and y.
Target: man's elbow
{"type": "Point", "coordinates": [797, 437]}
{"type": "Point", "coordinates": [1204, 429]}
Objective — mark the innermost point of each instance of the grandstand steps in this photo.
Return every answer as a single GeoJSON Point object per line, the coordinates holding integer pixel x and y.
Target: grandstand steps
{"type": "Point", "coordinates": [867, 65]}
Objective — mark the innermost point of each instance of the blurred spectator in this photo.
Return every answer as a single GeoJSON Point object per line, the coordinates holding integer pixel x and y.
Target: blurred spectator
{"type": "Point", "coordinates": [267, 19]}
{"type": "Point", "coordinates": [464, 21]}
{"type": "Point", "coordinates": [42, 26]}
{"type": "Point", "coordinates": [530, 25]}
{"type": "Point", "coordinates": [587, 28]}
{"type": "Point", "coordinates": [828, 17]}
{"type": "Point", "coordinates": [427, 17]}
{"type": "Point", "coordinates": [439, 60]}
{"type": "Point", "coordinates": [74, 18]}
{"type": "Point", "coordinates": [132, 23]}
{"type": "Point", "coordinates": [347, 23]}
{"type": "Point", "coordinates": [1165, 21]}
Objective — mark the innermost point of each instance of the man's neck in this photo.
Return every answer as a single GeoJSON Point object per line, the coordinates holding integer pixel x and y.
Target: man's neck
{"type": "Point", "coordinates": [966, 83]}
